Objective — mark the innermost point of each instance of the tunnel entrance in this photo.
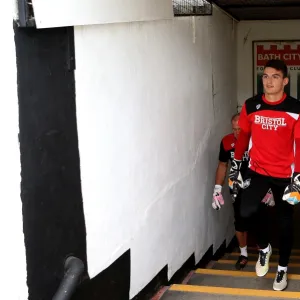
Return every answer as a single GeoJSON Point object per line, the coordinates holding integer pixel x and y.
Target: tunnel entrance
{"type": "Point", "coordinates": [267, 43]}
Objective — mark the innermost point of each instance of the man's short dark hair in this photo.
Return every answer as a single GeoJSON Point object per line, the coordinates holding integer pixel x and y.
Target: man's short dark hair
{"type": "Point", "coordinates": [278, 65]}
{"type": "Point", "coordinates": [235, 116]}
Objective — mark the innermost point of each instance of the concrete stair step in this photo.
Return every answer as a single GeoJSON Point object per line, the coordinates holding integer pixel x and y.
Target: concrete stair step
{"type": "Point", "coordinates": [221, 281]}
{"type": "Point", "coordinates": [172, 295]}
{"type": "Point", "coordinates": [254, 257]}
{"type": "Point", "coordinates": [240, 279]}
{"type": "Point", "coordinates": [194, 292]}
{"type": "Point", "coordinates": [225, 264]}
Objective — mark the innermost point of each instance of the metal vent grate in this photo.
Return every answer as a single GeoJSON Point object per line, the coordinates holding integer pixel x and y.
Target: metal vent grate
{"type": "Point", "coordinates": [192, 7]}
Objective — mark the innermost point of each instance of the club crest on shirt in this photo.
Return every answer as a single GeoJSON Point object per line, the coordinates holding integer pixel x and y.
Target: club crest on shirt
{"type": "Point", "coordinates": [258, 106]}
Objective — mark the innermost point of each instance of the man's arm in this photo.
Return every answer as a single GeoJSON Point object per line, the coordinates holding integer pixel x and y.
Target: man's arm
{"type": "Point", "coordinates": [297, 146]}
{"type": "Point", "coordinates": [244, 137]}
{"type": "Point", "coordinates": [224, 156]}
{"type": "Point", "coordinates": [218, 200]}
{"type": "Point", "coordinates": [221, 173]}
{"type": "Point", "coordinates": [297, 155]}
{"type": "Point", "coordinates": [241, 144]}
{"type": "Point", "coordinates": [235, 180]}
{"type": "Point", "coordinates": [292, 191]}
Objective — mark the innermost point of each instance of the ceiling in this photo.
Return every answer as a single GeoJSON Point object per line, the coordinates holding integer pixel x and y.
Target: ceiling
{"type": "Point", "coordinates": [261, 9]}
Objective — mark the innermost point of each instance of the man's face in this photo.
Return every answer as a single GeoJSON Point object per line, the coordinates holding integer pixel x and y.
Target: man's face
{"type": "Point", "coordinates": [236, 128]}
{"type": "Point", "coordinates": [273, 81]}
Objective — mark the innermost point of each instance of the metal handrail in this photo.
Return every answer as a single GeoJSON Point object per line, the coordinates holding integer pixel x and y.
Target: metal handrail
{"type": "Point", "coordinates": [74, 267]}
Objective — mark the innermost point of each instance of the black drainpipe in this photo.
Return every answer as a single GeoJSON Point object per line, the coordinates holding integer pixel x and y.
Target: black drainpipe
{"type": "Point", "coordinates": [74, 268]}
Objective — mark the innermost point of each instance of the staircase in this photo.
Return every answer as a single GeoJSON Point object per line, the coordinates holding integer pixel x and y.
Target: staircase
{"type": "Point", "coordinates": [220, 281]}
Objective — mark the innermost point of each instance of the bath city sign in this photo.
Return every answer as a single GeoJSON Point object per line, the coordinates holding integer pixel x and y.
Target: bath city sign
{"type": "Point", "coordinates": [289, 51]}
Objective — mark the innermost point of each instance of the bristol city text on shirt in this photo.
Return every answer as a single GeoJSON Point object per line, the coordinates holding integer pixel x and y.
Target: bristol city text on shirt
{"type": "Point", "coordinates": [269, 123]}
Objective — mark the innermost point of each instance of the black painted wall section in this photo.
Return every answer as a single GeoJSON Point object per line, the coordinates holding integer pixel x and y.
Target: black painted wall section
{"type": "Point", "coordinates": [111, 284]}
{"type": "Point", "coordinates": [53, 218]}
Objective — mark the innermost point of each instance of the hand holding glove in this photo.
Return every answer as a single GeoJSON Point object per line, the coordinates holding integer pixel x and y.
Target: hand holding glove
{"type": "Point", "coordinates": [292, 191]}
{"type": "Point", "coordinates": [217, 200]}
{"type": "Point", "coordinates": [269, 199]}
{"type": "Point", "coordinates": [235, 180]}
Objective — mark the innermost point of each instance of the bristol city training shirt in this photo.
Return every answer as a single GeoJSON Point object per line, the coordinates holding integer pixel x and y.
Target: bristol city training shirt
{"type": "Point", "coordinates": [271, 129]}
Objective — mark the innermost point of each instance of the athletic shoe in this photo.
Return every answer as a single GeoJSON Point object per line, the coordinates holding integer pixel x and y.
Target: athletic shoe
{"type": "Point", "coordinates": [262, 265]}
{"type": "Point", "coordinates": [241, 262]}
{"type": "Point", "coordinates": [280, 282]}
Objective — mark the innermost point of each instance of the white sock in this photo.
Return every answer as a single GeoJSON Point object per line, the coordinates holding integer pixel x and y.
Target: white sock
{"type": "Point", "coordinates": [280, 268]}
{"type": "Point", "coordinates": [244, 251]}
{"type": "Point", "coordinates": [266, 249]}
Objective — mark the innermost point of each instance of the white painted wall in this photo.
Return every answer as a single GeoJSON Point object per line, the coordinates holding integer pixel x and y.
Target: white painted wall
{"type": "Point", "coordinates": [12, 253]}
{"type": "Point", "coordinates": [56, 13]}
{"type": "Point", "coordinates": [149, 131]}
{"type": "Point", "coordinates": [249, 31]}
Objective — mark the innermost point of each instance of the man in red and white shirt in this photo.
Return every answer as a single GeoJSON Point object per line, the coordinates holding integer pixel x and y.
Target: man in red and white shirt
{"type": "Point", "coordinates": [226, 155]}
{"type": "Point", "coordinates": [270, 130]}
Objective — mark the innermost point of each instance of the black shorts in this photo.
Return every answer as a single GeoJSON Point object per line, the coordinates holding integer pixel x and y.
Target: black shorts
{"type": "Point", "coordinates": [257, 189]}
